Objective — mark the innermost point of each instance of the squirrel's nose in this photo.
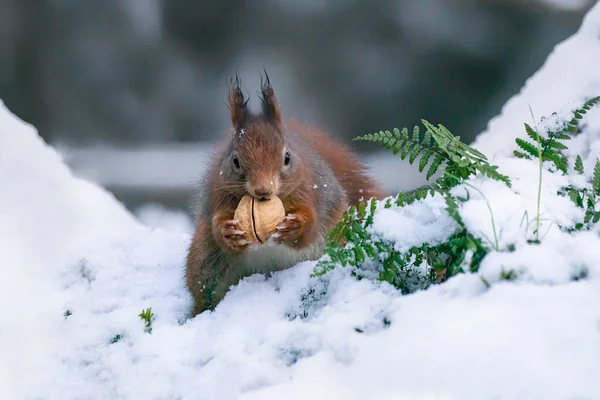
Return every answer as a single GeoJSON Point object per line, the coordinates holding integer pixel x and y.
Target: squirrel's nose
{"type": "Point", "coordinates": [263, 192]}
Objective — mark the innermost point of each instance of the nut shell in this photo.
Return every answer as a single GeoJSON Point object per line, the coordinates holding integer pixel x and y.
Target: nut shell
{"type": "Point", "coordinates": [259, 218]}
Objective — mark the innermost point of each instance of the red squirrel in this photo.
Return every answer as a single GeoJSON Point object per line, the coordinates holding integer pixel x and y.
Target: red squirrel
{"type": "Point", "coordinates": [316, 177]}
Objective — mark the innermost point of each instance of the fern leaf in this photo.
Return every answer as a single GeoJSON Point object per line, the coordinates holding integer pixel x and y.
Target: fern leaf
{"type": "Point", "coordinates": [519, 154]}
{"type": "Point", "coordinates": [390, 142]}
{"type": "Point", "coordinates": [578, 113]}
{"type": "Point", "coordinates": [362, 210]}
{"type": "Point", "coordinates": [527, 146]}
{"type": "Point", "coordinates": [561, 136]}
{"type": "Point", "coordinates": [415, 135]}
{"type": "Point", "coordinates": [548, 155]}
{"type": "Point", "coordinates": [579, 165]}
{"type": "Point", "coordinates": [572, 127]}
{"type": "Point", "coordinates": [414, 153]}
{"type": "Point", "coordinates": [424, 159]}
{"type": "Point", "coordinates": [532, 133]}
{"type": "Point", "coordinates": [556, 145]}
{"type": "Point", "coordinates": [596, 179]}
{"type": "Point", "coordinates": [426, 142]}
{"type": "Point", "coordinates": [404, 134]}
{"type": "Point", "coordinates": [452, 209]}
{"type": "Point", "coordinates": [473, 151]}
{"type": "Point", "coordinates": [439, 135]}
{"type": "Point", "coordinates": [359, 254]}
{"type": "Point", "coordinates": [560, 162]}
{"type": "Point", "coordinates": [435, 165]}
{"type": "Point", "coordinates": [491, 171]}
{"type": "Point", "coordinates": [371, 137]}
{"type": "Point", "coordinates": [405, 150]}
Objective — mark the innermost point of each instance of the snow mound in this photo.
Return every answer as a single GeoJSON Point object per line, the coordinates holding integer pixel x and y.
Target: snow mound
{"type": "Point", "coordinates": [567, 79]}
{"type": "Point", "coordinates": [77, 269]}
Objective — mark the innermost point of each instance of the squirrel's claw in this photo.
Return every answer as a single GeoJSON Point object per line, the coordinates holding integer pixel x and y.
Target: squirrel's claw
{"type": "Point", "coordinates": [289, 230]}
{"type": "Point", "coordinates": [234, 237]}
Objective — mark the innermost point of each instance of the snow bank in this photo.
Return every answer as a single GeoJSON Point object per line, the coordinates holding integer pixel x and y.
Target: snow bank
{"type": "Point", "coordinates": [568, 78]}
{"type": "Point", "coordinates": [77, 269]}
{"type": "Point", "coordinates": [68, 245]}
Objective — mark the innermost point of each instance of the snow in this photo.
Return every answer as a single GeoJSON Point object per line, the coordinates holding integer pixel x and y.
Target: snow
{"type": "Point", "coordinates": [67, 245]}
{"type": "Point", "coordinates": [567, 78]}
{"type": "Point", "coordinates": [425, 222]}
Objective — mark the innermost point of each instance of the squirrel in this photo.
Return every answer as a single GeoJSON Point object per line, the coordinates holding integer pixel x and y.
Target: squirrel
{"type": "Point", "coordinates": [316, 177]}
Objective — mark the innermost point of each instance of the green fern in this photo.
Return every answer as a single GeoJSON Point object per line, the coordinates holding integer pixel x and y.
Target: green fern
{"type": "Point", "coordinates": [551, 146]}
{"type": "Point", "coordinates": [579, 165]}
{"type": "Point", "coordinates": [410, 196]}
{"type": "Point", "coordinates": [596, 178]}
{"type": "Point", "coordinates": [585, 198]}
{"type": "Point", "coordinates": [461, 160]}
{"type": "Point", "coordinates": [147, 316]}
{"type": "Point", "coordinates": [400, 141]}
{"type": "Point", "coordinates": [573, 125]}
{"type": "Point", "coordinates": [436, 150]}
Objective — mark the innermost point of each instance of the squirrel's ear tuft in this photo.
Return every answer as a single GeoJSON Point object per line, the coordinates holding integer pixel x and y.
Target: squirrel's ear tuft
{"type": "Point", "coordinates": [270, 107]}
{"type": "Point", "coordinates": [238, 106]}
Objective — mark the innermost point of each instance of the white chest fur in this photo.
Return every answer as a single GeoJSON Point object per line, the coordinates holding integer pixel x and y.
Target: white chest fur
{"type": "Point", "coordinates": [273, 257]}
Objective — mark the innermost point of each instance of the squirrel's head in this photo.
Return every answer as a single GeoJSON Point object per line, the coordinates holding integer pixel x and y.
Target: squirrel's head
{"type": "Point", "coordinates": [260, 159]}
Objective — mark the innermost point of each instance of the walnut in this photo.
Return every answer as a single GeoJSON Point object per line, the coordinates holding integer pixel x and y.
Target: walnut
{"type": "Point", "coordinates": [259, 218]}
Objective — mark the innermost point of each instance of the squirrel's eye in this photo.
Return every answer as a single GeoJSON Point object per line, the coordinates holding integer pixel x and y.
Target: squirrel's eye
{"type": "Point", "coordinates": [286, 160]}
{"type": "Point", "coordinates": [236, 162]}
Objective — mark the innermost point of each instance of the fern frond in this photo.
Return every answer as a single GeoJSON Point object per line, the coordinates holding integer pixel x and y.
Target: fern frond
{"type": "Point", "coordinates": [424, 159]}
{"type": "Point", "coordinates": [414, 153]}
{"type": "Point", "coordinates": [411, 146]}
{"type": "Point", "coordinates": [556, 145]}
{"type": "Point", "coordinates": [579, 112]}
{"type": "Point", "coordinates": [452, 208]}
{"type": "Point", "coordinates": [426, 142]}
{"type": "Point", "coordinates": [406, 148]}
{"type": "Point", "coordinates": [435, 165]}
{"type": "Point", "coordinates": [415, 136]}
{"type": "Point", "coordinates": [532, 133]}
{"type": "Point", "coordinates": [451, 143]}
{"type": "Point", "coordinates": [403, 133]}
{"type": "Point", "coordinates": [519, 154]}
{"type": "Point", "coordinates": [420, 193]}
{"type": "Point", "coordinates": [491, 171]}
{"type": "Point", "coordinates": [596, 178]}
{"type": "Point", "coordinates": [528, 147]}
{"type": "Point", "coordinates": [562, 136]}
{"type": "Point", "coordinates": [579, 165]}
{"type": "Point", "coordinates": [560, 162]}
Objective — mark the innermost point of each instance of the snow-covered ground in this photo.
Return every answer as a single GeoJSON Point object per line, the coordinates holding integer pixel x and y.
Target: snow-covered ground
{"type": "Point", "coordinates": [76, 269]}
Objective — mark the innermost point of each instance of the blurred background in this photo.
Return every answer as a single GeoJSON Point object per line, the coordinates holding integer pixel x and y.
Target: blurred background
{"type": "Point", "coordinates": [132, 92]}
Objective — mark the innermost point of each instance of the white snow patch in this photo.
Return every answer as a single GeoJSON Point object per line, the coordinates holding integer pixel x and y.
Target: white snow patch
{"type": "Point", "coordinates": [415, 224]}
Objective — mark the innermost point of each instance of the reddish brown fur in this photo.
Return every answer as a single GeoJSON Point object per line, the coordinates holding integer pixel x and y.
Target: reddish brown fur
{"type": "Point", "coordinates": [217, 252]}
{"type": "Point", "coordinates": [347, 167]}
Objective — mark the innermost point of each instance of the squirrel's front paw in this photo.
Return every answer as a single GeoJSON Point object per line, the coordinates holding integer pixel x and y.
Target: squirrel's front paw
{"type": "Point", "coordinates": [233, 237]}
{"type": "Point", "coordinates": [289, 230]}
